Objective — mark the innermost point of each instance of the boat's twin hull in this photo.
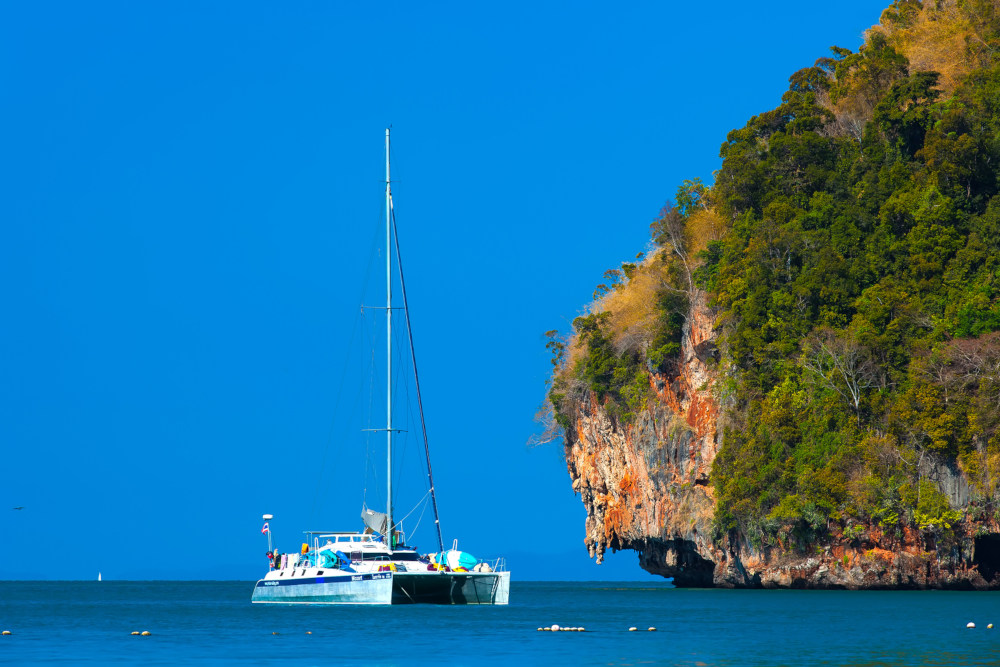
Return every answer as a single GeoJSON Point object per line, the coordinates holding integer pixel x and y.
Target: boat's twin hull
{"type": "Point", "coordinates": [372, 588]}
{"type": "Point", "coordinates": [451, 587]}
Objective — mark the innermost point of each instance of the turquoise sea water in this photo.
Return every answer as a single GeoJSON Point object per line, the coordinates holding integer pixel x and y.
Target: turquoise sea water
{"type": "Point", "coordinates": [207, 623]}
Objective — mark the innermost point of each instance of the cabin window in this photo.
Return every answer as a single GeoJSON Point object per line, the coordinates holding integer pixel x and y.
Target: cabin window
{"type": "Point", "coordinates": [373, 556]}
{"type": "Point", "coordinates": [343, 538]}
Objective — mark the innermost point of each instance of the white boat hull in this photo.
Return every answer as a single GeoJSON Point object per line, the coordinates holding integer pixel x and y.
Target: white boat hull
{"type": "Point", "coordinates": [341, 588]}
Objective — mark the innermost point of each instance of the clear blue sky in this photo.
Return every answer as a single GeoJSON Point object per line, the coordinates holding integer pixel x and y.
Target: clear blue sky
{"type": "Point", "coordinates": [189, 193]}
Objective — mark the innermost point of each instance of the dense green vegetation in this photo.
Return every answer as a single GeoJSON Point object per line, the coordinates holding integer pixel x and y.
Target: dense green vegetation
{"type": "Point", "coordinates": [856, 286]}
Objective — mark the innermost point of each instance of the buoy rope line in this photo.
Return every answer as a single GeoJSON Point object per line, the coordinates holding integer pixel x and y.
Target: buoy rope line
{"type": "Point", "coordinates": [558, 628]}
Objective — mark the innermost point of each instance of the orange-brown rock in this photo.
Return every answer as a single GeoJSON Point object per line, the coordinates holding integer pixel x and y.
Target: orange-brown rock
{"type": "Point", "coordinates": [645, 486]}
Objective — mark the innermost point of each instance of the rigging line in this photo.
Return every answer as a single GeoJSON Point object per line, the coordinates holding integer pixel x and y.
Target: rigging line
{"type": "Point", "coordinates": [416, 378]}
{"type": "Point", "coordinates": [410, 419]}
{"type": "Point", "coordinates": [358, 318]}
{"type": "Point", "coordinates": [408, 414]}
{"type": "Point", "coordinates": [402, 444]}
{"type": "Point", "coordinates": [420, 502]}
{"type": "Point", "coordinates": [420, 518]}
{"type": "Point", "coordinates": [359, 393]}
{"type": "Point", "coordinates": [368, 473]}
{"type": "Point", "coordinates": [369, 463]}
{"type": "Point", "coordinates": [333, 423]}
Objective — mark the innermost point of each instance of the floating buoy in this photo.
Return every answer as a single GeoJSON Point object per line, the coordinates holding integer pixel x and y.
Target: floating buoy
{"type": "Point", "coordinates": [633, 629]}
{"type": "Point", "coordinates": [540, 629]}
{"type": "Point", "coordinates": [554, 628]}
{"type": "Point", "coordinates": [135, 632]}
{"type": "Point", "coordinates": [146, 633]}
{"type": "Point", "coordinates": [274, 633]}
{"type": "Point", "coordinates": [581, 629]}
{"type": "Point", "coordinates": [970, 624]}
{"type": "Point", "coordinates": [5, 632]}
{"type": "Point", "coordinates": [308, 632]}
{"type": "Point", "coordinates": [652, 629]}
{"type": "Point", "coordinates": [989, 627]}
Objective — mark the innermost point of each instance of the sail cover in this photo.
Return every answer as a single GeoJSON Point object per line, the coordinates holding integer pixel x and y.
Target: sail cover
{"type": "Point", "coordinates": [375, 520]}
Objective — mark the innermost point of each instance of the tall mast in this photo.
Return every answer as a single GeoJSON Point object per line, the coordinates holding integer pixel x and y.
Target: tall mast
{"type": "Point", "coordinates": [388, 347]}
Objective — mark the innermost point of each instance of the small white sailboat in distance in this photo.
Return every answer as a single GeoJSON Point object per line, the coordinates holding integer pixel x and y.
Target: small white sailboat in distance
{"type": "Point", "coordinates": [98, 576]}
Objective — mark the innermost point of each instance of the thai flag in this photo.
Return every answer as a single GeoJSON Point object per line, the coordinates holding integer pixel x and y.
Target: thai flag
{"type": "Point", "coordinates": [265, 529]}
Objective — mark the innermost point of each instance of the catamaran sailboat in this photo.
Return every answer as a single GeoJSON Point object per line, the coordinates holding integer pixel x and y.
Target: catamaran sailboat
{"type": "Point", "coordinates": [376, 566]}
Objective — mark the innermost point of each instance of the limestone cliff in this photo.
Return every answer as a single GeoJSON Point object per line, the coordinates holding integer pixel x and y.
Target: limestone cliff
{"type": "Point", "coordinates": [646, 487]}
{"type": "Point", "coordinates": [798, 383]}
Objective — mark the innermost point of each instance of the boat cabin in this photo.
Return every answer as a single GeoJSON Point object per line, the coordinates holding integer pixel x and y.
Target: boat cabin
{"type": "Point", "coordinates": [360, 546]}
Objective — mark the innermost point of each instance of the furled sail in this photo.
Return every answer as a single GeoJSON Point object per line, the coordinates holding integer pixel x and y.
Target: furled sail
{"type": "Point", "coordinates": [375, 520]}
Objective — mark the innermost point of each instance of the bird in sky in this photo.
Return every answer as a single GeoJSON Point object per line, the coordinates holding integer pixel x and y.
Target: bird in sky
{"type": "Point", "coordinates": [18, 508]}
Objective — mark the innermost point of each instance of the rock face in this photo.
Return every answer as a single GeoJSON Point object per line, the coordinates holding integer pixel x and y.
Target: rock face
{"type": "Point", "coordinates": [646, 487]}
